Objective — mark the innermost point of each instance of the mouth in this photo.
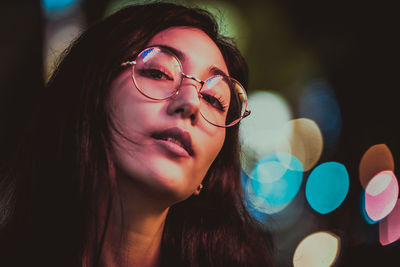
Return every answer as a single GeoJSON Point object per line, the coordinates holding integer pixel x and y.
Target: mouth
{"type": "Point", "coordinates": [175, 137]}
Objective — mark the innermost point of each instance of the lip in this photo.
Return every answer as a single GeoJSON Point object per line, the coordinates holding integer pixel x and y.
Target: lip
{"type": "Point", "coordinates": [175, 140]}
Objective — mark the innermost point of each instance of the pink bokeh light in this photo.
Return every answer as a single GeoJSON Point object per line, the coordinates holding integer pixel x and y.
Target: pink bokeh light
{"type": "Point", "coordinates": [389, 228]}
{"type": "Point", "coordinates": [381, 195]}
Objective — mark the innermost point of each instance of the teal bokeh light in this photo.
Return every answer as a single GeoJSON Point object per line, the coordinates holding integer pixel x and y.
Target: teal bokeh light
{"type": "Point", "coordinates": [54, 5]}
{"type": "Point", "coordinates": [327, 187]}
{"type": "Point", "coordinates": [277, 178]}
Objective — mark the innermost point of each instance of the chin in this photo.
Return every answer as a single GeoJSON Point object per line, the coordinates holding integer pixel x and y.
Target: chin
{"type": "Point", "coordinates": [172, 184]}
{"type": "Point", "coordinates": [160, 178]}
{"type": "Point", "coordinates": [171, 194]}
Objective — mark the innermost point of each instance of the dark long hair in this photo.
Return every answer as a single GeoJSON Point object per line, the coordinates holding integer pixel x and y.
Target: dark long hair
{"type": "Point", "coordinates": [62, 173]}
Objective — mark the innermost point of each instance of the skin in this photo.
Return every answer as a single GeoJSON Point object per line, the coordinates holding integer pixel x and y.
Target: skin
{"type": "Point", "coordinates": [152, 178]}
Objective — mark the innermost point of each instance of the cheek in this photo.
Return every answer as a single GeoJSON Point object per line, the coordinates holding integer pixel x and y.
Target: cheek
{"type": "Point", "coordinates": [132, 113]}
{"type": "Point", "coordinates": [129, 108]}
{"type": "Point", "coordinates": [218, 141]}
{"type": "Point", "coordinates": [211, 147]}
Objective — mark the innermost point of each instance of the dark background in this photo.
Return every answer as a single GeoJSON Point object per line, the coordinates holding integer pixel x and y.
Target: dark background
{"type": "Point", "coordinates": [353, 44]}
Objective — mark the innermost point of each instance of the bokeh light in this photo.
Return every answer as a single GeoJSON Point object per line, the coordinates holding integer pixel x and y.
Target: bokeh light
{"type": "Point", "coordinates": [381, 195]}
{"type": "Point", "coordinates": [231, 21]}
{"type": "Point", "coordinates": [318, 102]}
{"type": "Point", "coordinates": [57, 40]}
{"type": "Point", "coordinates": [289, 217]}
{"type": "Point", "coordinates": [277, 181]}
{"type": "Point", "coordinates": [319, 249]}
{"type": "Point", "coordinates": [389, 228]}
{"type": "Point", "coordinates": [305, 141]}
{"type": "Point", "coordinates": [56, 5]}
{"type": "Point", "coordinates": [364, 212]}
{"type": "Point", "coordinates": [376, 159]}
{"type": "Point", "coordinates": [327, 187]}
{"type": "Point", "coordinates": [262, 130]}
{"type": "Point", "coordinates": [258, 204]}
{"type": "Point", "coordinates": [274, 182]}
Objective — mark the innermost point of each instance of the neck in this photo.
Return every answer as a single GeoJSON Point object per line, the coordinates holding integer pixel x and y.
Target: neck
{"type": "Point", "coordinates": [140, 220]}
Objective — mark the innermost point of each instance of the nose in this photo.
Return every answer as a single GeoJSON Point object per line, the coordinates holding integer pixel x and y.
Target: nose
{"type": "Point", "coordinates": [186, 102]}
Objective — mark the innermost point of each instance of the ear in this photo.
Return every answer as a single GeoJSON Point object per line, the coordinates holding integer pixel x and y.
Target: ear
{"type": "Point", "coordinates": [198, 190]}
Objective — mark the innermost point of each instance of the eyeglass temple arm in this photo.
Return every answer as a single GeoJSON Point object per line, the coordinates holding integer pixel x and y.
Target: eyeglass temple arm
{"type": "Point", "coordinates": [246, 113]}
{"type": "Point", "coordinates": [128, 63]}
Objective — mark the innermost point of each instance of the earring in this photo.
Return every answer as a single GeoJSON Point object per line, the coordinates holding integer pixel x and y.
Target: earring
{"type": "Point", "coordinates": [198, 190]}
{"type": "Point", "coordinates": [200, 187]}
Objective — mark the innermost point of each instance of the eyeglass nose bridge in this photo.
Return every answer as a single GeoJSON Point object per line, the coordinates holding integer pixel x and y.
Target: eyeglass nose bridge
{"type": "Point", "coordinates": [192, 77]}
{"type": "Point", "coordinates": [184, 75]}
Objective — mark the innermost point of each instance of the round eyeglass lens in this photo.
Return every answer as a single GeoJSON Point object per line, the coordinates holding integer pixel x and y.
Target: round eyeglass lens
{"type": "Point", "coordinates": [223, 101]}
{"type": "Point", "coordinates": [157, 73]}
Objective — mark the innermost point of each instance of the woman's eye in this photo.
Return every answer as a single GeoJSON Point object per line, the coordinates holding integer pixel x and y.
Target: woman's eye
{"type": "Point", "coordinates": [214, 102]}
{"type": "Point", "coordinates": [155, 74]}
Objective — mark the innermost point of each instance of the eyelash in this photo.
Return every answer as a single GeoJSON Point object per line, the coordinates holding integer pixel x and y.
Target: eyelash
{"type": "Point", "coordinates": [149, 71]}
{"type": "Point", "coordinates": [221, 103]}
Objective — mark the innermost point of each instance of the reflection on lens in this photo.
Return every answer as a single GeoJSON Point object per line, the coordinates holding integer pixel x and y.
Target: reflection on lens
{"type": "Point", "coordinates": [148, 54]}
{"type": "Point", "coordinates": [213, 81]}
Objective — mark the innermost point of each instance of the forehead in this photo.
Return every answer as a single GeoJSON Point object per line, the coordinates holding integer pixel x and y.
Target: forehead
{"type": "Point", "coordinates": [197, 48]}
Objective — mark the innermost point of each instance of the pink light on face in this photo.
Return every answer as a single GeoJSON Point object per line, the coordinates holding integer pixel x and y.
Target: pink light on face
{"type": "Point", "coordinates": [389, 228]}
{"type": "Point", "coordinates": [381, 195]}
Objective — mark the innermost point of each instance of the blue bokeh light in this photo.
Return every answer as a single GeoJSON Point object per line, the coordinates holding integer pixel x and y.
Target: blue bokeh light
{"type": "Point", "coordinates": [277, 178]}
{"type": "Point", "coordinates": [327, 187]}
{"type": "Point", "coordinates": [54, 5]}
{"type": "Point", "coordinates": [256, 213]}
{"type": "Point", "coordinates": [318, 102]}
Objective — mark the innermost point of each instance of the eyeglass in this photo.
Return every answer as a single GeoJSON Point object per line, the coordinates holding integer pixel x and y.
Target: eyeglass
{"type": "Point", "coordinates": [157, 74]}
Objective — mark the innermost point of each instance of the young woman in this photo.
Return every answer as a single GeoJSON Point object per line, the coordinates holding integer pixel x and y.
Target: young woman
{"type": "Point", "coordinates": [132, 156]}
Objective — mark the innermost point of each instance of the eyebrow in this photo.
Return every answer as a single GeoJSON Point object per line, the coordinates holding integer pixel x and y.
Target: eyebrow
{"type": "Point", "coordinates": [182, 57]}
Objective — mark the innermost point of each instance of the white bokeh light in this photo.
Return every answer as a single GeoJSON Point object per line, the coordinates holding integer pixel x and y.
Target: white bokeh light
{"type": "Point", "coordinates": [262, 130]}
{"type": "Point", "coordinates": [319, 249]}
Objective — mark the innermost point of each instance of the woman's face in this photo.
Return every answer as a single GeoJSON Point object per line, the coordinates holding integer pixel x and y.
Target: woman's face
{"type": "Point", "coordinates": [150, 153]}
